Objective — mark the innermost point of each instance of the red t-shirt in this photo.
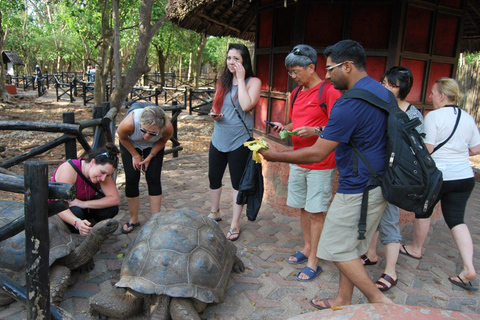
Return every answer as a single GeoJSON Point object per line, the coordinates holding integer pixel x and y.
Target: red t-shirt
{"type": "Point", "coordinates": [308, 113]}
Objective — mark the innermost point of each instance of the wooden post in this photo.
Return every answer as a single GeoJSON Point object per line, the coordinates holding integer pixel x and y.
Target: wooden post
{"type": "Point", "coordinates": [71, 145]}
{"type": "Point", "coordinates": [36, 240]}
{"type": "Point", "coordinates": [175, 129]}
{"type": "Point", "coordinates": [98, 137]}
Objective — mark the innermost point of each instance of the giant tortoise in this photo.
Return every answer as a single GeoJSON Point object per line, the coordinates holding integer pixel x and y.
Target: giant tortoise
{"type": "Point", "coordinates": [179, 262]}
{"type": "Point", "coordinates": [68, 251]}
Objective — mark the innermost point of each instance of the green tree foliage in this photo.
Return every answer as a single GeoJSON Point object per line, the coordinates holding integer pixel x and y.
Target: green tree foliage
{"type": "Point", "coordinates": [216, 50]}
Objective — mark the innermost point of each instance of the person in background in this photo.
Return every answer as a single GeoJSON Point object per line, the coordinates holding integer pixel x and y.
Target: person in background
{"type": "Point", "coordinates": [357, 121]}
{"type": "Point", "coordinates": [458, 177]}
{"type": "Point", "coordinates": [143, 134]}
{"type": "Point", "coordinates": [237, 93]}
{"type": "Point", "coordinates": [38, 73]}
{"type": "Point", "coordinates": [309, 185]}
{"type": "Point", "coordinates": [399, 81]}
{"type": "Point", "coordinates": [97, 167]}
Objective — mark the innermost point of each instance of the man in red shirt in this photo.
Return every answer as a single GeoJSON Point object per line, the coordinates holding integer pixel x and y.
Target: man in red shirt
{"type": "Point", "coordinates": [309, 185]}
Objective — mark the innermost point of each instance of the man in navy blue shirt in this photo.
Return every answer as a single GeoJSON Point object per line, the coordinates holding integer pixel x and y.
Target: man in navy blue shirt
{"type": "Point", "coordinates": [351, 120]}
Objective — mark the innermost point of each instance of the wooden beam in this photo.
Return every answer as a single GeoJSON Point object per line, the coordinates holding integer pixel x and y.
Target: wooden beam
{"type": "Point", "coordinates": [218, 22]}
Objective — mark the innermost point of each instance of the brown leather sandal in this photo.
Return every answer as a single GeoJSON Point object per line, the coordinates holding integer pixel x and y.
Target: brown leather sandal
{"type": "Point", "coordinates": [384, 286]}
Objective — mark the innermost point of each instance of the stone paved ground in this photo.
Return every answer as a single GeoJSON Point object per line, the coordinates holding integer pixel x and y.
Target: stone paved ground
{"type": "Point", "coordinates": [268, 290]}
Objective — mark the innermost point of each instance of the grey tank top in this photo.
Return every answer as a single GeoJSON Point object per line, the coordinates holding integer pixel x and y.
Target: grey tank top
{"type": "Point", "coordinates": [137, 137]}
{"type": "Point", "coordinates": [229, 132]}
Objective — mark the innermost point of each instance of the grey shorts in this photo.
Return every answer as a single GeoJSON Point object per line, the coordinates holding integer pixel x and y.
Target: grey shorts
{"type": "Point", "coordinates": [339, 236]}
{"type": "Point", "coordinates": [310, 189]}
{"type": "Point", "coordinates": [388, 226]}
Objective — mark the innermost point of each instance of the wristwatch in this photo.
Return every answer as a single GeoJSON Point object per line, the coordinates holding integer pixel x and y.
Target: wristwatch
{"type": "Point", "coordinates": [318, 130]}
{"type": "Point", "coordinates": [153, 154]}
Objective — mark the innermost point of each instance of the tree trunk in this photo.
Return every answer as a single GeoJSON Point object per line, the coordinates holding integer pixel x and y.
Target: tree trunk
{"type": "Point", "coordinates": [2, 67]}
{"type": "Point", "coordinates": [116, 45]}
{"type": "Point", "coordinates": [198, 67]}
{"type": "Point", "coordinates": [102, 58]}
{"type": "Point", "coordinates": [161, 66]}
{"type": "Point", "coordinates": [139, 65]}
{"type": "Point", "coordinates": [190, 67]}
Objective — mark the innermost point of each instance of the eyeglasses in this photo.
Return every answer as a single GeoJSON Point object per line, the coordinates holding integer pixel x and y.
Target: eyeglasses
{"type": "Point", "coordinates": [299, 52]}
{"type": "Point", "coordinates": [295, 72]}
{"type": "Point", "coordinates": [153, 134]}
{"type": "Point", "coordinates": [330, 68]}
{"type": "Point", "coordinates": [107, 155]}
{"type": "Point", "coordinates": [389, 86]}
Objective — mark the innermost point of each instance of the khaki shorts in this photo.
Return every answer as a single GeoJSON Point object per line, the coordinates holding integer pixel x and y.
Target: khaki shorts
{"type": "Point", "coordinates": [339, 236]}
{"type": "Point", "coordinates": [310, 189]}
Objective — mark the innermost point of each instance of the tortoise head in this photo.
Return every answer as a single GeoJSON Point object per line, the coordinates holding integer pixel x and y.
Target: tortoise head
{"type": "Point", "coordinates": [105, 228]}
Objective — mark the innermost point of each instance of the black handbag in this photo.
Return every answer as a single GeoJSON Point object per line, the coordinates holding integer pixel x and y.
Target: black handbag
{"type": "Point", "coordinates": [98, 193]}
{"type": "Point", "coordinates": [250, 190]}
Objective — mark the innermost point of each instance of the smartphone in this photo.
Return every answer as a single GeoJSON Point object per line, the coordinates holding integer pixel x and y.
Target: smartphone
{"type": "Point", "coordinates": [270, 123]}
{"type": "Point", "coordinates": [214, 114]}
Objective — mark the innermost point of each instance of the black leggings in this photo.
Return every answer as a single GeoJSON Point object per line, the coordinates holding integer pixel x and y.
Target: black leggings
{"type": "Point", "coordinates": [453, 196]}
{"type": "Point", "coordinates": [152, 175]}
{"type": "Point", "coordinates": [217, 163]}
{"type": "Point", "coordinates": [93, 215]}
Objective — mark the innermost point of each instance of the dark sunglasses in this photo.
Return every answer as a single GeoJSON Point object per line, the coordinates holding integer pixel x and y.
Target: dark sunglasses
{"type": "Point", "coordinates": [299, 52]}
{"type": "Point", "coordinates": [107, 155]}
{"type": "Point", "coordinates": [153, 134]}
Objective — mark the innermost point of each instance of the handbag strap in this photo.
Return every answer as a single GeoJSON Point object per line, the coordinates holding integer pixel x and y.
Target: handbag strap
{"type": "Point", "coordinates": [81, 175]}
{"type": "Point", "coordinates": [454, 129]}
{"type": "Point", "coordinates": [240, 117]}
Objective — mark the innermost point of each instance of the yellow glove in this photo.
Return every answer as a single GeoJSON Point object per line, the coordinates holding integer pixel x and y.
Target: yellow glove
{"type": "Point", "coordinates": [255, 146]}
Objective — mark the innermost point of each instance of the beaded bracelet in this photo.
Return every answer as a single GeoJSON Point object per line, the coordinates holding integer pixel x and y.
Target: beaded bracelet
{"type": "Point", "coordinates": [75, 223]}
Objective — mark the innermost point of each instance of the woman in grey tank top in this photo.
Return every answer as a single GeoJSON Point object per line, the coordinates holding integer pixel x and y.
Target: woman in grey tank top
{"type": "Point", "coordinates": [143, 134]}
{"type": "Point", "coordinates": [237, 93]}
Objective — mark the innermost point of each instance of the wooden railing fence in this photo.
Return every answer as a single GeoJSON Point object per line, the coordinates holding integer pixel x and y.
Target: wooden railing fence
{"type": "Point", "coordinates": [37, 190]}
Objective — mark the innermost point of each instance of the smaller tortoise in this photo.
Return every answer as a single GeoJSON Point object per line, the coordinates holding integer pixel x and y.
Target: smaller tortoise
{"type": "Point", "coordinates": [68, 251]}
{"type": "Point", "coordinates": [179, 262]}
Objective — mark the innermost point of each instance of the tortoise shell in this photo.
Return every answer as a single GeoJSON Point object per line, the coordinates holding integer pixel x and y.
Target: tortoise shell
{"type": "Point", "coordinates": [179, 254]}
{"type": "Point", "coordinates": [12, 250]}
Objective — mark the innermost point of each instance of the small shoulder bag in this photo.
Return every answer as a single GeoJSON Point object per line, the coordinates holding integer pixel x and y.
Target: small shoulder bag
{"type": "Point", "coordinates": [240, 117]}
{"type": "Point", "coordinates": [98, 193]}
{"type": "Point", "coordinates": [454, 129]}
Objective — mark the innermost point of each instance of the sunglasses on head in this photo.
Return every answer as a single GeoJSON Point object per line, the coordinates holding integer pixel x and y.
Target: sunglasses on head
{"type": "Point", "coordinates": [107, 155]}
{"type": "Point", "coordinates": [153, 134]}
{"type": "Point", "coordinates": [299, 52]}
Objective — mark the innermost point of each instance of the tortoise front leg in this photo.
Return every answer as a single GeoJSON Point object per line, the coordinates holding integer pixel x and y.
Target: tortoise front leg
{"type": "Point", "coordinates": [160, 308]}
{"type": "Point", "coordinates": [183, 309]}
{"type": "Point", "coordinates": [118, 303]}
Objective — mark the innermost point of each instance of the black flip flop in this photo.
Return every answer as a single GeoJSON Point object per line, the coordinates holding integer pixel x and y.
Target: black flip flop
{"type": "Point", "coordinates": [129, 225]}
{"type": "Point", "coordinates": [462, 284]}
{"type": "Point", "coordinates": [406, 253]}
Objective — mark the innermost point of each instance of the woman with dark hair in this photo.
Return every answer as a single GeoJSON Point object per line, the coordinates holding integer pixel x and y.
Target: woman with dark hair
{"type": "Point", "coordinates": [237, 93]}
{"type": "Point", "coordinates": [399, 81]}
{"type": "Point", "coordinates": [451, 137]}
{"type": "Point", "coordinates": [90, 174]}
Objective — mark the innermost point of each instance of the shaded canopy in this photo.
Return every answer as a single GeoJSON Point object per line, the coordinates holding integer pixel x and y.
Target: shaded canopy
{"type": "Point", "coordinates": [217, 18]}
{"type": "Point", "coordinates": [237, 18]}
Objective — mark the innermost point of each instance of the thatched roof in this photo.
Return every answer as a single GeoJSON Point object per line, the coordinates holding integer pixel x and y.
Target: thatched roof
{"type": "Point", "coordinates": [471, 30]}
{"type": "Point", "coordinates": [237, 18]}
{"type": "Point", "coordinates": [234, 18]}
{"type": "Point", "coordinates": [13, 57]}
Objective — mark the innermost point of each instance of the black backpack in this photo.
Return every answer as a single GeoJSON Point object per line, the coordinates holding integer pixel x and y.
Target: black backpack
{"type": "Point", "coordinates": [411, 180]}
